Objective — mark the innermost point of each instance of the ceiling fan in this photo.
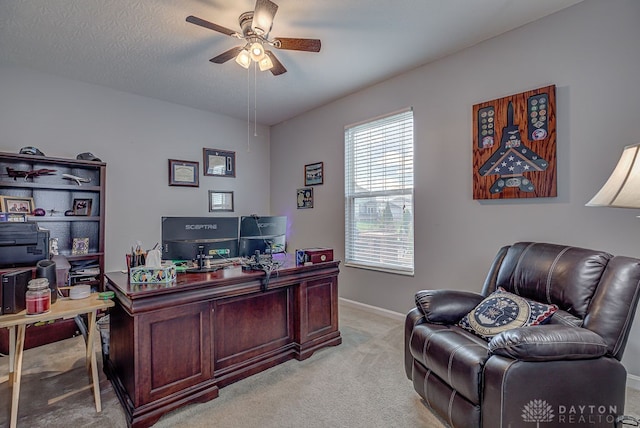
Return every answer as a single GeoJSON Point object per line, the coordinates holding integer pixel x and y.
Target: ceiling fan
{"type": "Point", "coordinates": [255, 27]}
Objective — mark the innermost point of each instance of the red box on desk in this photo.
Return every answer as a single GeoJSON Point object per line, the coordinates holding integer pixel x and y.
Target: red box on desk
{"type": "Point", "coordinates": [319, 255]}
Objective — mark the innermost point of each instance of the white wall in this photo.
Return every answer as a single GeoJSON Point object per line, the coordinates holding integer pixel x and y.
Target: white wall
{"type": "Point", "coordinates": [589, 51]}
{"type": "Point", "coordinates": [135, 136]}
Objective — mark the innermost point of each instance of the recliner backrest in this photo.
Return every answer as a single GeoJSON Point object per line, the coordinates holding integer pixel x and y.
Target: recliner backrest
{"type": "Point", "coordinates": [549, 273]}
{"type": "Point", "coordinates": [593, 286]}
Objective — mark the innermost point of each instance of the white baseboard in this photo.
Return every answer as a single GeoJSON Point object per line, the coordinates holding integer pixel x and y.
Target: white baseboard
{"type": "Point", "coordinates": [633, 381]}
{"type": "Point", "coordinates": [373, 309]}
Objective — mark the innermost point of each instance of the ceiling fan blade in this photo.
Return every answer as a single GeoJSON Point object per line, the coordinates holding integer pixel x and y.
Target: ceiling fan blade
{"type": "Point", "coordinates": [210, 25]}
{"type": "Point", "coordinates": [226, 56]}
{"type": "Point", "coordinates": [263, 15]}
{"type": "Point", "coordinates": [309, 45]}
{"type": "Point", "coordinates": [277, 68]}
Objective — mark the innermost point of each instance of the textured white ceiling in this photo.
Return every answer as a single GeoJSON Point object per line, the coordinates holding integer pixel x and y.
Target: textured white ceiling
{"type": "Point", "coordinates": [147, 48]}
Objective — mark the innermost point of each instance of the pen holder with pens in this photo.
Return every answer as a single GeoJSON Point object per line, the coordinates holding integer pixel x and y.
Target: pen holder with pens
{"type": "Point", "coordinates": [135, 260]}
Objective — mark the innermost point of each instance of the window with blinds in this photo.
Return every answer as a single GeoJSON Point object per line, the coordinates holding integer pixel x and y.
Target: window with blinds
{"type": "Point", "coordinates": [379, 193]}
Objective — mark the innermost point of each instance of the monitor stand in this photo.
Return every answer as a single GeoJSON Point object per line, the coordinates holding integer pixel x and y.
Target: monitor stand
{"type": "Point", "coordinates": [202, 268]}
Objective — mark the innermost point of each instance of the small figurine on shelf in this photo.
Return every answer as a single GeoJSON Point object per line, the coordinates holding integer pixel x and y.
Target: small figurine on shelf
{"type": "Point", "coordinates": [53, 247]}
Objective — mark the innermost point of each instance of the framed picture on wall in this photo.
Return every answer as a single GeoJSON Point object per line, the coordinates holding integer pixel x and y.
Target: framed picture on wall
{"type": "Point", "coordinates": [220, 200]}
{"type": "Point", "coordinates": [220, 163]}
{"type": "Point", "coordinates": [313, 174]}
{"type": "Point", "coordinates": [514, 146]}
{"type": "Point", "coordinates": [305, 198]}
{"type": "Point", "coordinates": [183, 173]}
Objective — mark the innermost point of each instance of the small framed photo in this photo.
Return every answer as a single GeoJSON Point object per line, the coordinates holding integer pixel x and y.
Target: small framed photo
{"type": "Point", "coordinates": [14, 204]}
{"type": "Point", "coordinates": [184, 173]}
{"type": "Point", "coordinates": [305, 198]}
{"type": "Point", "coordinates": [220, 163]}
{"type": "Point", "coordinates": [82, 207]}
{"type": "Point", "coordinates": [80, 246]}
{"type": "Point", "coordinates": [313, 174]}
{"type": "Point", "coordinates": [220, 200]}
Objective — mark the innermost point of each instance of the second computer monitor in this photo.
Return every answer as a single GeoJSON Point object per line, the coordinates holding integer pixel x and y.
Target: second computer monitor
{"type": "Point", "coordinates": [266, 234]}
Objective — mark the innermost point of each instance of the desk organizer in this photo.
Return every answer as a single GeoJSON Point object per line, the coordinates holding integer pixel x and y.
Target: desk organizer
{"type": "Point", "coordinates": [148, 275]}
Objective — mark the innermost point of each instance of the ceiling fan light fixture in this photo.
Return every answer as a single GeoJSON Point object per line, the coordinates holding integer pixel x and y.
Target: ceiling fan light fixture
{"type": "Point", "coordinates": [263, 15]}
{"type": "Point", "coordinates": [244, 58]}
{"type": "Point", "coordinates": [265, 63]}
{"type": "Point", "coordinates": [257, 51]}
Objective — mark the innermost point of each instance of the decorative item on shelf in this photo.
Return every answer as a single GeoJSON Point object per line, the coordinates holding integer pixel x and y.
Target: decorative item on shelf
{"type": "Point", "coordinates": [69, 213]}
{"type": "Point", "coordinates": [80, 246]}
{"type": "Point", "coordinates": [622, 189]}
{"type": "Point", "coordinates": [39, 212]}
{"type": "Point", "coordinates": [313, 174]}
{"type": "Point", "coordinates": [88, 157]}
{"type": "Point", "coordinates": [17, 173]}
{"type": "Point", "coordinates": [53, 247]}
{"type": "Point", "coordinates": [30, 150]}
{"type": "Point", "coordinates": [79, 180]}
{"type": "Point", "coordinates": [82, 207]}
{"type": "Point", "coordinates": [219, 163]}
{"type": "Point", "coordinates": [183, 173]}
{"type": "Point", "coordinates": [15, 217]}
{"type": "Point", "coordinates": [305, 197]}
{"type": "Point", "coordinates": [220, 200]}
{"type": "Point", "coordinates": [14, 204]}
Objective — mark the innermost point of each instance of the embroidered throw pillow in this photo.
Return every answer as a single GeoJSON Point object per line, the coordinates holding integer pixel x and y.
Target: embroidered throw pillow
{"type": "Point", "coordinates": [502, 311]}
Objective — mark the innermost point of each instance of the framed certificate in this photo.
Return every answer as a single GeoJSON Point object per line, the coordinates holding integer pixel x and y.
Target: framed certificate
{"type": "Point", "coordinates": [183, 173]}
{"type": "Point", "coordinates": [220, 163]}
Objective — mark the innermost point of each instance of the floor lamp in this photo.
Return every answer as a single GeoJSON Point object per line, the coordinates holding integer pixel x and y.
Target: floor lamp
{"type": "Point", "coordinates": [622, 189]}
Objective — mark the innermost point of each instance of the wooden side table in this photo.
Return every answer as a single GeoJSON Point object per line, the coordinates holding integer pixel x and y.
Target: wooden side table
{"type": "Point", "coordinates": [63, 308]}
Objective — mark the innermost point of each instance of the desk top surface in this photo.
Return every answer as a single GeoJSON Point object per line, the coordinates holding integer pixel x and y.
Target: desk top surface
{"type": "Point", "coordinates": [229, 276]}
{"type": "Point", "coordinates": [62, 308]}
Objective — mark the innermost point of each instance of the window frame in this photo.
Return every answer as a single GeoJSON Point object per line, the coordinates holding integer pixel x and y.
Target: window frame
{"type": "Point", "coordinates": [404, 233]}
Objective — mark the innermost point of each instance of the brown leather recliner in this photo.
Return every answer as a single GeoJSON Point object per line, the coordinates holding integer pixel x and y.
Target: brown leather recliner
{"type": "Point", "coordinates": [565, 373]}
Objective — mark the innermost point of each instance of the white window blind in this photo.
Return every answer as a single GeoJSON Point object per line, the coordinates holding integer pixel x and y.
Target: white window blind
{"type": "Point", "coordinates": [379, 193]}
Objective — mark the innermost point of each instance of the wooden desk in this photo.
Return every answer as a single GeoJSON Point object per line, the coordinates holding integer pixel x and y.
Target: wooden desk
{"type": "Point", "coordinates": [63, 308]}
{"type": "Point", "coordinates": [176, 344]}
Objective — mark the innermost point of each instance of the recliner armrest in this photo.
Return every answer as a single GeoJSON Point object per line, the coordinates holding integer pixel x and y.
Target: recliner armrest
{"type": "Point", "coordinates": [548, 343]}
{"type": "Point", "coordinates": [446, 306]}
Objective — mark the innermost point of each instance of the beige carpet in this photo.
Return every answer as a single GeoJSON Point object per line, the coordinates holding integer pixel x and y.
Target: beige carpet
{"type": "Point", "coordinates": [360, 383]}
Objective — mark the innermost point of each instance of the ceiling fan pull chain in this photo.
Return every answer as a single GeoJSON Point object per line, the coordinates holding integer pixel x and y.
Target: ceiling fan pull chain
{"type": "Point", "coordinates": [255, 99]}
{"type": "Point", "coordinates": [248, 110]}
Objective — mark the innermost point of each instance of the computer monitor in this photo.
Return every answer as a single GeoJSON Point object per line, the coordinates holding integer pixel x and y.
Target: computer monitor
{"type": "Point", "coordinates": [199, 238]}
{"type": "Point", "coordinates": [266, 234]}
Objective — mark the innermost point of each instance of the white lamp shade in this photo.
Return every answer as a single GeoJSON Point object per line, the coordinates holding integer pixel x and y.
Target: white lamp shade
{"type": "Point", "coordinates": [263, 15]}
{"type": "Point", "coordinates": [257, 51]}
{"type": "Point", "coordinates": [243, 58]}
{"type": "Point", "coordinates": [265, 63]}
{"type": "Point", "coordinates": [622, 189]}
